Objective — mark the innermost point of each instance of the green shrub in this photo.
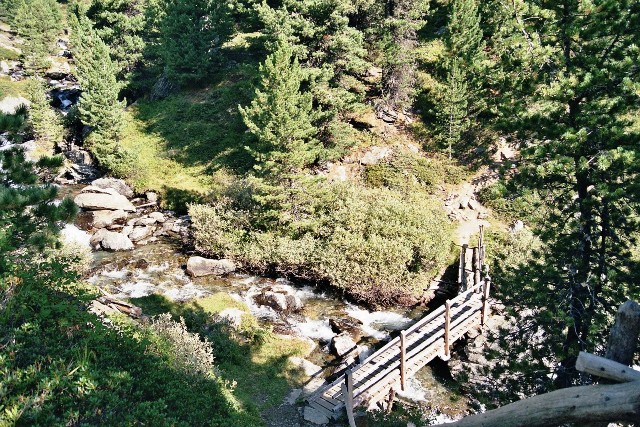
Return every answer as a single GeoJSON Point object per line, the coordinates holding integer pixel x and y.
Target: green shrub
{"type": "Point", "coordinates": [408, 172]}
{"type": "Point", "coordinates": [375, 244]}
{"type": "Point", "coordinates": [8, 54]}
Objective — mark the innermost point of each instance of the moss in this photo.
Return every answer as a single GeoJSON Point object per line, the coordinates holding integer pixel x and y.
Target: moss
{"type": "Point", "coordinates": [8, 54]}
{"type": "Point", "coordinates": [11, 88]}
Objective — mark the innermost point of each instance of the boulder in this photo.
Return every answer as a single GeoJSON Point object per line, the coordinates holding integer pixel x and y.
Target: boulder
{"type": "Point", "coordinates": [158, 217]}
{"type": "Point", "coordinates": [118, 185]}
{"type": "Point", "coordinates": [342, 344]}
{"type": "Point", "coordinates": [100, 199]}
{"type": "Point", "coordinates": [275, 300]}
{"type": "Point", "coordinates": [140, 233]}
{"type": "Point", "coordinates": [111, 241]}
{"type": "Point", "coordinates": [106, 218]}
{"type": "Point", "coordinates": [146, 220]}
{"type": "Point", "coordinates": [349, 325]}
{"type": "Point", "coordinates": [198, 266]}
{"type": "Point", "coordinates": [310, 369]}
{"type": "Point", "coordinates": [375, 155]}
{"type": "Point", "coordinates": [151, 197]}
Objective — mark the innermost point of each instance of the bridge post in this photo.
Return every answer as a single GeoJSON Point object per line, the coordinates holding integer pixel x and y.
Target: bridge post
{"type": "Point", "coordinates": [485, 300]}
{"type": "Point", "coordinates": [447, 321]}
{"type": "Point", "coordinates": [347, 392]}
{"type": "Point", "coordinates": [403, 357]}
{"type": "Point", "coordinates": [462, 268]}
{"type": "Point", "coordinates": [481, 248]}
{"type": "Point", "coordinates": [476, 266]}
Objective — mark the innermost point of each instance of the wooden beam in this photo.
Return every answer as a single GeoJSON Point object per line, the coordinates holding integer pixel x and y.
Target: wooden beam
{"type": "Point", "coordinates": [447, 322]}
{"type": "Point", "coordinates": [462, 267]}
{"type": "Point", "coordinates": [605, 368]}
{"type": "Point", "coordinates": [579, 405]}
{"type": "Point", "coordinates": [476, 266]}
{"type": "Point", "coordinates": [403, 358]}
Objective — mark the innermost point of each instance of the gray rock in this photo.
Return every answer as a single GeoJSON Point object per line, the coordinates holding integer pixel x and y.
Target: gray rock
{"type": "Point", "coordinates": [275, 300]}
{"type": "Point", "coordinates": [198, 266]}
{"type": "Point", "coordinates": [118, 185]}
{"type": "Point", "coordinates": [146, 220]}
{"type": "Point", "coordinates": [314, 416]}
{"type": "Point", "coordinates": [111, 241]}
{"type": "Point", "coordinates": [106, 218]}
{"type": "Point", "coordinates": [152, 197]}
{"type": "Point", "coordinates": [158, 216]}
{"type": "Point", "coordinates": [102, 201]}
{"type": "Point", "coordinates": [126, 230]}
{"type": "Point", "coordinates": [342, 344]}
{"type": "Point", "coordinates": [375, 155]}
{"type": "Point", "coordinates": [140, 233]}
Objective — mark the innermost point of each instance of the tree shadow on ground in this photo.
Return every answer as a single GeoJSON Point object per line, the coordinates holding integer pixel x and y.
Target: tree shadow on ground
{"type": "Point", "coordinates": [63, 366]}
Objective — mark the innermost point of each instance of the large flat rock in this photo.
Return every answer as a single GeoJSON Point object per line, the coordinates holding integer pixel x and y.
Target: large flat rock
{"type": "Point", "coordinates": [198, 266]}
{"type": "Point", "coordinates": [104, 201]}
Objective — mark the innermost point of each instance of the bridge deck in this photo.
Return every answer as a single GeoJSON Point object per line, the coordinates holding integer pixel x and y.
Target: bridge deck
{"type": "Point", "coordinates": [424, 341]}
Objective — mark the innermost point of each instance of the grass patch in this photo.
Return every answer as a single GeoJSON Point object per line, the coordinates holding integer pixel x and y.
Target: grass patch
{"type": "Point", "coordinates": [251, 357]}
{"type": "Point", "coordinates": [11, 88]}
{"type": "Point", "coordinates": [8, 54]}
{"type": "Point", "coordinates": [180, 143]}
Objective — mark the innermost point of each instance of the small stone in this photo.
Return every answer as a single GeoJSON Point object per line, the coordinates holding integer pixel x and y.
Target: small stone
{"type": "Point", "coordinates": [310, 369]}
{"type": "Point", "coordinates": [231, 317]}
{"type": "Point", "coordinates": [145, 220]}
{"type": "Point", "coordinates": [126, 230]}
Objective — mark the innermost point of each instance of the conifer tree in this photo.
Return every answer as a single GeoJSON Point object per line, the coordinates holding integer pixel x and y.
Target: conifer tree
{"type": "Point", "coordinates": [29, 221]}
{"type": "Point", "coordinates": [280, 117]}
{"type": "Point", "coordinates": [98, 107]}
{"type": "Point", "coordinates": [403, 19]}
{"type": "Point", "coordinates": [192, 32]}
{"type": "Point", "coordinates": [581, 157]}
{"type": "Point", "coordinates": [46, 123]}
{"type": "Point", "coordinates": [454, 113]}
{"type": "Point", "coordinates": [121, 25]}
{"type": "Point", "coordinates": [462, 98]}
{"type": "Point", "coordinates": [38, 22]}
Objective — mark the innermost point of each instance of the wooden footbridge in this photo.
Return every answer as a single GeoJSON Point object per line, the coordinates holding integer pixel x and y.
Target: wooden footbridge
{"type": "Point", "coordinates": [377, 377]}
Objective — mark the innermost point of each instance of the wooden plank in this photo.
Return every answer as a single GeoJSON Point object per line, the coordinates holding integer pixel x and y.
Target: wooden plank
{"type": "Point", "coordinates": [327, 405]}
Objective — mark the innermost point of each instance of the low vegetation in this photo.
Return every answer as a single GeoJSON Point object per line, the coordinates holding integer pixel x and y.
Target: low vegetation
{"type": "Point", "coordinates": [375, 244]}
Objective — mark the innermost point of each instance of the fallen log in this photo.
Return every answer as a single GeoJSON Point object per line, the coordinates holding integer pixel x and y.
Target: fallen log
{"type": "Point", "coordinates": [580, 405]}
{"type": "Point", "coordinates": [605, 368]}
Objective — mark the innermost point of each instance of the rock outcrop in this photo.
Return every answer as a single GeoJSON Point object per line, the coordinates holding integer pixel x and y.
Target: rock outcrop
{"type": "Point", "coordinates": [95, 198]}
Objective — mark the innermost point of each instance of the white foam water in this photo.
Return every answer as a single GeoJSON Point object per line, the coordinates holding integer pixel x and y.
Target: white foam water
{"type": "Point", "coordinates": [315, 329]}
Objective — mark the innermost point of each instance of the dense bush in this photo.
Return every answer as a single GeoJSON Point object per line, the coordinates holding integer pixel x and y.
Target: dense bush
{"type": "Point", "coordinates": [375, 244]}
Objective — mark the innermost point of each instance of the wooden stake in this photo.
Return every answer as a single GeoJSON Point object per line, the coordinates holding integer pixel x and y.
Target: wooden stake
{"type": "Point", "coordinates": [403, 356]}
{"type": "Point", "coordinates": [485, 298]}
{"type": "Point", "coordinates": [447, 321]}
{"type": "Point", "coordinates": [481, 247]}
{"type": "Point", "coordinates": [348, 397]}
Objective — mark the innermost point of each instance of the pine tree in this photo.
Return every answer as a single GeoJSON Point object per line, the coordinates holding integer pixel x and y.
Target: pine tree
{"type": "Point", "coordinates": [403, 19]}
{"type": "Point", "coordinates": [121, 25]}
{"type": "Point", "coordinates": [463, 95]}
{"type": "Point", "coordinates": [98, 107]}
{"type": "Point", "coordinates": [581, 158]}
{"type": "Point", "coordinates": [46, 123]}
{"type": "Point", "coordinates": [280, 117]}
{"type": "Point", "coordinates": [454, 114]}
{"type": "Point", "coordinates": [29, 221]}
{"type": "Point", "coordinates": [38, 22]}
{"type": "Point", "coordinates": [192, 32]}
